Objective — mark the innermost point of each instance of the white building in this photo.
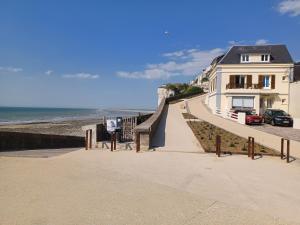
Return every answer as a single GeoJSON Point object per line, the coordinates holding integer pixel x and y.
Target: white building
{"type": "Point", "coordinates": [251, 77]}
{"type": "Point", "coordinates": [164, 92]}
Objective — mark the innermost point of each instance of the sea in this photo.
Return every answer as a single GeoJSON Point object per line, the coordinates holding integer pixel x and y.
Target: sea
{"type": "Point", "coordinates": [17, 115]}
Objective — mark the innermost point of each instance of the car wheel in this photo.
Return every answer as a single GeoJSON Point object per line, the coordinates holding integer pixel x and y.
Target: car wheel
{"type": "Point", "coordinates": [272, 123]}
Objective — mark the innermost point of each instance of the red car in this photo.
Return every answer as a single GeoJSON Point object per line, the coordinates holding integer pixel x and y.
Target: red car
{"type": "Point", "coordinates": [251, 117]}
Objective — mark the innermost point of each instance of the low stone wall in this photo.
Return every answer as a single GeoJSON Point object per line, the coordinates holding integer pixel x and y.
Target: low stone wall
{"type": "Point", "coordinates": [146, 130]}
{"type": "Point", "coordinates": [24, 141]}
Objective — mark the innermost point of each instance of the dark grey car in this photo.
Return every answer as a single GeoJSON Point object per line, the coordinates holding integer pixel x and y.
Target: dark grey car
{"type": "Point", "coordinates": [277, 117]}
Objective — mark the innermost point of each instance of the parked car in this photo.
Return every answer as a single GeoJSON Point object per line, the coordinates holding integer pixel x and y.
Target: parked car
{"type": "Point", "coordinates": [277, 117]}
{"type": "Point", "coordinates": [251, 117]}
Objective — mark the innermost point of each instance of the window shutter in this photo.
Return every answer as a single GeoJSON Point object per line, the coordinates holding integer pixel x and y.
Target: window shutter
{"type": "Point", "coordinates": [249, 81]}
{"type": "Point", "coordinates": [273, 82]}
{"type": "Point", "coordinates": [231, 81]}
{"type": "Point", "coordinates": [260, 81]}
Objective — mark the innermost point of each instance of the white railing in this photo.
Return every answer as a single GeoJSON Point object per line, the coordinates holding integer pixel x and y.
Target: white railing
{"type": "Point", "coordinates": [232, 115]}
{"type": "Point", "coordinates": [237, 117]}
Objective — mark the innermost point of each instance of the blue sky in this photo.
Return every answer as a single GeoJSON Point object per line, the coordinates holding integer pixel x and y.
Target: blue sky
{"type": "Point", "coordinates": [116, 53]}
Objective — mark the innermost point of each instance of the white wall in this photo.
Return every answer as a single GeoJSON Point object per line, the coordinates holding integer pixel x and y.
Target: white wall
{"type": "Point", "coordinates": [294, 107]}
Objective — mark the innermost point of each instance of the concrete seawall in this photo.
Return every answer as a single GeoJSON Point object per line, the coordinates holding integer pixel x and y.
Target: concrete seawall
{"type": "Point", "coordinates": [23, 141]}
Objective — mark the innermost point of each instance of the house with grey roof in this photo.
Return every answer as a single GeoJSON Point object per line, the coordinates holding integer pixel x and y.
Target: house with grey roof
{"type": "Point", "coordinates": [251, 77]}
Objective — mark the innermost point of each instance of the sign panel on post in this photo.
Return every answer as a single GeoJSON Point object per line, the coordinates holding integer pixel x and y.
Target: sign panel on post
{"type": "Point", "coordinates": [114, 124]}
{"type": "Point", "coordinates": [111, 125]}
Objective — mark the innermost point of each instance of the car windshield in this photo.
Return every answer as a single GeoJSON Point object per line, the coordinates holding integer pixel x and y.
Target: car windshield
{"type": "Point", "coordinates": [280, 113]}
{"type": "Point", "coordinates": [249, 113]}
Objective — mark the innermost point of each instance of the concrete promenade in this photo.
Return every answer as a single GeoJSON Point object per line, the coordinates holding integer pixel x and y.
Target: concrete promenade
{"type": "Point", "coordinates": [124, 187]}
{"type": "Point", "coordinates": [178, 185]}
{"type": "Point", "coordinates": [198, 108]}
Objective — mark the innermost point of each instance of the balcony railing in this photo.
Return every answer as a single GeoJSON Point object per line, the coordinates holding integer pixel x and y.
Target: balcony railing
{"type": "Point", "coordinates": [243, 86]}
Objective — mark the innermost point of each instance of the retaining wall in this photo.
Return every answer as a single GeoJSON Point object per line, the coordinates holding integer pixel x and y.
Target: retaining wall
{"type": "Point", "coordinates": [146, 130]}
{"type": "Point", "coordinates": [25, 141]}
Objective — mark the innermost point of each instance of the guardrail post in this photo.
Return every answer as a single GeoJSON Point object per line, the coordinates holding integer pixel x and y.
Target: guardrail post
{"type": "Point", "coordinates": [218, 145]}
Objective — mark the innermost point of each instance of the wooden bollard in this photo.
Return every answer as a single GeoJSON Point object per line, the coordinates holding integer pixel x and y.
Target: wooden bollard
{"type": "Point", "coordinates": [91, 136]}
{"type": "Point", "coordinates": [115, 141]}
{"type": "Point", "coordinates": [86, 140]}
{"type": "Point", "coordinates": [282, 148]}
{"type": "Point", "coordinates": [218, 145]}
{"type": "Point", "coordinates": [251, 151]}
{"type": "Point", "coordinates": [112, 142]}
{"type": "Point", "coordinates": [287, 149]}
{"type": "Point", "coordinates": [137, 142]}
{"type": "Point", "coordinates": [252, 148]}
{"type": "Point", "coordinates": [249, 146]}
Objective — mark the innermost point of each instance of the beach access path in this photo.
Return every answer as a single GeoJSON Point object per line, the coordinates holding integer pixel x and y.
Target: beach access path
{"type": "Point", "coordinates": [200, 110]}
{"type": "Point", "coordinates": [173, 133]}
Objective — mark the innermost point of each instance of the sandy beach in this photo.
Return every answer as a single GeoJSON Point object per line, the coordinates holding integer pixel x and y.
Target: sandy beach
{"type": "Point", "coordinates": [67, 127]}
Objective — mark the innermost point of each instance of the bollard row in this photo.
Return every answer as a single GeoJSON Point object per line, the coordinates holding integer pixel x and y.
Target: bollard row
{"type": "Point", "coordinates": [251, 148]}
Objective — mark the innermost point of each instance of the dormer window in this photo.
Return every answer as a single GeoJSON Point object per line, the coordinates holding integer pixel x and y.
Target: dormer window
{"type": "Point", "coordinates": [245, 58]}
{"type": "Point", "coordinates": [265, 58]}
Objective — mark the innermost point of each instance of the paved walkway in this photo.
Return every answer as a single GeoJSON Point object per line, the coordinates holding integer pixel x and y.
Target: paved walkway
{"type": "Point", "coordinates": [119, 188]}
{"type": "Point", "coordinates": [38, 153]}
{"type": "Point", "coordinates": [173, 133]}
{"type": "Point", "coordinates": [169, 186]}
{"type": "Point", "coordinates": [198, 108]}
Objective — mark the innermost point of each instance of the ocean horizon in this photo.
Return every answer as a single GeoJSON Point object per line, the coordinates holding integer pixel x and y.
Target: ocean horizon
{"type": "Point", "coordinates": [17, 115]}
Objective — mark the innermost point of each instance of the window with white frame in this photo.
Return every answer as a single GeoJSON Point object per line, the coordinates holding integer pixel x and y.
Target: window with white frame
{"type": "Point", "coordinates": [244, 58]}
{"type": "Point", "coordinates": [242, 102]}
{"type": "Point", "coordinates": [266, 82]}
{"type": "Point", "coordinates": [265, 58]}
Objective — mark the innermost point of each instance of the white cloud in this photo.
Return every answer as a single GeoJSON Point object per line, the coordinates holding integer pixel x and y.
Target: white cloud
{"type": "Point", "coordinates": [48, 72]}
{"type": "Point", "coordinates": [185, 62]}
{"type": "Point", "coordinates": [232, 43]}
{"type": "Point", "coordinates": [174, 54]}
{"type": "Point", "coordinates": [81, 76]}
{"type": "Point", "coordinates": [291, 7]}
{"type": "Point", "coordinates": [11, 69]}
{"type": "Point", "coordinates": [261, 42]}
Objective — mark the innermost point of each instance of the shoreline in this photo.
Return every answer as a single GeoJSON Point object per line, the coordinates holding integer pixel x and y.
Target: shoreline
{"type": "Point", "coordinates": [66, 126]}
{"type": "Point", "coordinates": [63, 127]}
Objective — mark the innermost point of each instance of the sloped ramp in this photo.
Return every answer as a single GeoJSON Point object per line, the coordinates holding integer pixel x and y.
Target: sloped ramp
{"type": "Point", "coordinates": [173, 133]}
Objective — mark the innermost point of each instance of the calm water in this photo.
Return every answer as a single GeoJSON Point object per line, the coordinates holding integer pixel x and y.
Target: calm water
{"type": "Point", "coordinates": [10, 115]}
